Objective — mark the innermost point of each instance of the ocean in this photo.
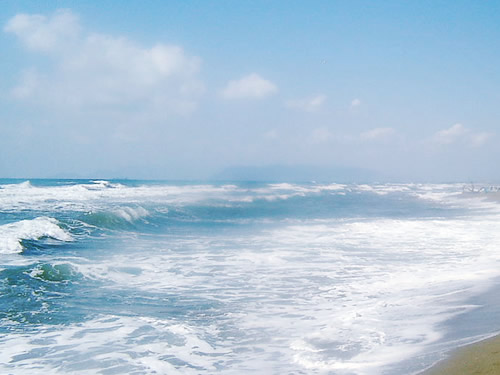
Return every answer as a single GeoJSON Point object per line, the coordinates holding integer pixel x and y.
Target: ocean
{"type": "Point", "coordinates": [152, 277]}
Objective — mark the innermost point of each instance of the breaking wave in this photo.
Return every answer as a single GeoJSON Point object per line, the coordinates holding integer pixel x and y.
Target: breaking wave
{"type": "Point", "coordinates": [12, 235]}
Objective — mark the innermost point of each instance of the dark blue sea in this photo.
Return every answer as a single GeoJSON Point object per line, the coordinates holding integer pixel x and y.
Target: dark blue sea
{"type": "Point", "coordinates": [144, 277]}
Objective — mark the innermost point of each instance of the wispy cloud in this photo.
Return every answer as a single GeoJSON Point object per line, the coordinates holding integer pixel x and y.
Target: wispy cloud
{"type": "Point", "coordinates": [450, 135]}
{"type": "Point", "coordinates": [252, 86]}
{"type": "Point", "coordinates": [98, 71]}
{"type": "Point", "coordinates": [478, 139]}
{"type": "Point", "coordinates": [312, 104]}
{"type": "Point", "coordinates": [460, 134]}
{"type": "Point", "coordinates": [355, 103]}
{"type": "Point", "coordinates": [377, 133]}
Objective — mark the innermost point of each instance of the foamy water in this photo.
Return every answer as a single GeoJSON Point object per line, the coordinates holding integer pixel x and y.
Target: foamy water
{"type": "Point", "coordinates": [103, 277]}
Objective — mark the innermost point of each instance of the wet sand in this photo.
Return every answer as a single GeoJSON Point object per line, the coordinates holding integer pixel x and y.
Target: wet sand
{"type": "Point", "coordinates": [481, 358]}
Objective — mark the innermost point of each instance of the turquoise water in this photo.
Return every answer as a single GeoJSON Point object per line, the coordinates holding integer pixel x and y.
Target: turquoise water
{"type": "Point", "coordinates": [137, 277]}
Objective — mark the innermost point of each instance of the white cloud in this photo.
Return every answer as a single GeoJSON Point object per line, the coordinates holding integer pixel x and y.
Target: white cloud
{"type": "Point", "coordinates": [479, 139]}
{"type": "Point", "coordinates": [460, 134]}
{"type": "Point", "coordinates": [251, 86]}
{"type": "Point", "coordinates": [313, 104]}
{"type": "Point", "coordinates": [450, 135]}
{"type": "Point", "coordinates": [103, 72]}
{"type": "Point", "coordinates": [355, 103]}
{"type": "Point", "coordinates": [41, 33]}
{"type": "Point", "coordinates": [377, 133]}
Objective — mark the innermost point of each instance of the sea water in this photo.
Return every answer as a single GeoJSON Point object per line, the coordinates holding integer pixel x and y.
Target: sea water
{"type": "Point", "coordinates": [136, 277]}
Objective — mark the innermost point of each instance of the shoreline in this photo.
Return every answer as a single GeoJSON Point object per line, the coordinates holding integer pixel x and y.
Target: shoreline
{"type": "Point", "coordinates": [479, 358]}
{"type": "Point", "coordinates": [476, 338]}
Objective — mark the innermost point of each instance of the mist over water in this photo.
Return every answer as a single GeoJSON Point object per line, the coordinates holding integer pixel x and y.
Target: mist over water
{"type": "Point", "coordinates": [136, 277]}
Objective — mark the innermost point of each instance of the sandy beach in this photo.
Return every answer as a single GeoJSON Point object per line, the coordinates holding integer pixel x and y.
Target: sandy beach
{"type": "Point", "coordinates": [481, 358]}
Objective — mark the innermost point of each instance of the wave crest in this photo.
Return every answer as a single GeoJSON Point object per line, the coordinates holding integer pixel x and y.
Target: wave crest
{"type": "Point", "coordinates": [118, 218]}
{"type": "Point", "coordinates": [12, 235]}
{"type": "Point", "coordinates": [22, 185]}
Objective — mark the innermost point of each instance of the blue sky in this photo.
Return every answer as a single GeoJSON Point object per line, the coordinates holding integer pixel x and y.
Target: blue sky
{"type": "Point", "coordinates": [185, 89]}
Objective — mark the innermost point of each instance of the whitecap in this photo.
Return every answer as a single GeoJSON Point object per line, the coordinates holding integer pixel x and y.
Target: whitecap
{"type": "Point", "coordinates": [12, 235]}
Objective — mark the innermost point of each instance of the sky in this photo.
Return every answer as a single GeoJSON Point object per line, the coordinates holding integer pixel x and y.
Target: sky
{"type": "Point", "coordinates": [404, 90]}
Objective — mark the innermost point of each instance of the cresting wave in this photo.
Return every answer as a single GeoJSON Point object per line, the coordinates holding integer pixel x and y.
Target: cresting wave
{"type": "Point", "coordinates": [13, 234]}
{"type": "Point", "coordinates": [116, 218]}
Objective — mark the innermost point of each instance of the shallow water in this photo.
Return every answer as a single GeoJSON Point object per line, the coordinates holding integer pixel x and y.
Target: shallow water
{"type": "Point", "coordinates": [113, 277]}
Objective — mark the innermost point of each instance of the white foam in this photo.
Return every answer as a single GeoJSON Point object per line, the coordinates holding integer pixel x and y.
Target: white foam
{"type": "Point", "coordinates": [340, 296]}
{"type": "Point", "coordinates": [131, 214]}
{"type": "Point", "coordinates": [109, 343]}
{"type": "Point", "coordinates": [101, 194]}
{"type": "Point", "coordinates": [12, 234]}
{"type": "Point", "coordinates": [400, 284]}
